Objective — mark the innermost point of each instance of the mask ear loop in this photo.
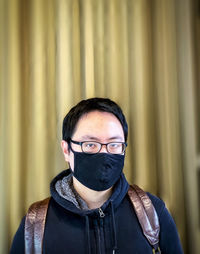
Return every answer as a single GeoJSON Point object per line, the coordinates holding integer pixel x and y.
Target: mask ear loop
{"type": "Point", "coordinates": [126, 144]}
{"type": "Point", "coordinates": [69, 148]}
{"type": "Point", "coordinates": [69, 145]}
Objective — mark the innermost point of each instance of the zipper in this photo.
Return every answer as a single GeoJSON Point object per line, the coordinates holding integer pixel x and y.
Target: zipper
{"type": "Point", "coordinates": [101, 213]}
{"type": "Point", "coordinates": [99, 239]}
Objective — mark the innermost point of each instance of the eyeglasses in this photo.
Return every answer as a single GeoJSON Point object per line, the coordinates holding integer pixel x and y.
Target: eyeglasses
{"type": "Point", "coordinates": [92, 147]}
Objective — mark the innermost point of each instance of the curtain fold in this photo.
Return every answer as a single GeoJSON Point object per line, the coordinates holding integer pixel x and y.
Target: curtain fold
{"type": "Point", "coordinates": [55, 53]}
{"type": "Point", "coordinates": [170, 172]}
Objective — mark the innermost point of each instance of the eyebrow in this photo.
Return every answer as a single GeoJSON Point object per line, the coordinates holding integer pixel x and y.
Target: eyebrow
{"type": "Point", "coordinates": [89, 137]}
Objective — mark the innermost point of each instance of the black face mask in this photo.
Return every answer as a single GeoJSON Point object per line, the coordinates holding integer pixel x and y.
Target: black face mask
{"type": "Point", "coordinates": [98, 171]}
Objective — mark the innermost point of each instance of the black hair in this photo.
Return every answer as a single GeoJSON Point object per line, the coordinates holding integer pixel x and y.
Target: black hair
{"type": "Point", "coordinates": [85, 106]}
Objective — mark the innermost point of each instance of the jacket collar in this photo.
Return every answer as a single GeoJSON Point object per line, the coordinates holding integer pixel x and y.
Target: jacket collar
{"type": "Point", "coordinates": [119, 191]}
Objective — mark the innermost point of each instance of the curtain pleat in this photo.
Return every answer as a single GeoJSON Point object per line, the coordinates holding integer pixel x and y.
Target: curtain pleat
{"type": "Point", "coordinates": [170, 172]}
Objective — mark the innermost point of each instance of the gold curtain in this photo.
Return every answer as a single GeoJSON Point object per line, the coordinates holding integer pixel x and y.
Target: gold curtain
{"type": "Point", "coordinates": [140, 53]}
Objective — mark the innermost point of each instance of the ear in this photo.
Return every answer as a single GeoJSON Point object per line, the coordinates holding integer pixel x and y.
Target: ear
{"type": "Point", "coordinates": [65, 149]}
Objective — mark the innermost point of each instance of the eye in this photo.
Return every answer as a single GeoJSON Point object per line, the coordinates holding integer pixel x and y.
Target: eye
{"type": "Point", "coordinates": [115, 145]}
{"type": "Point", "coordinates": [90, 145]}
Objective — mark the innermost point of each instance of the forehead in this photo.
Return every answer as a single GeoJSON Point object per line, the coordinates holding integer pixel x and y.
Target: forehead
{"type": "Point", "coordinates": [99, 125]}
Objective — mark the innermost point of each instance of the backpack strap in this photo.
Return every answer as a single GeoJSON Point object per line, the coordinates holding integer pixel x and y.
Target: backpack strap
{"type": "Point", "coordinates": [146, 215]}
{"type": "Point", "coordinates": [34, 226]}
{"type": "Point", "coordinates": [145, 211]}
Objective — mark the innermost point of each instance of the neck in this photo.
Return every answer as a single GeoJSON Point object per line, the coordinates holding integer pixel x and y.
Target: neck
{"type": "Point", "coordinates": [94, 199]}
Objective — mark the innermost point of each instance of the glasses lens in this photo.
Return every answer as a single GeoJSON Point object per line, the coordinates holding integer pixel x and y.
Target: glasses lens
{"type": "Point", "coordinates": [116, 148]}
{"type": "Point", "coordinates": [91, 147]}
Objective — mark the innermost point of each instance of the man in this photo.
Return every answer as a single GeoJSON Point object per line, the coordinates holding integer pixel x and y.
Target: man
{"type": "Point", "coordinates": [89, 210]}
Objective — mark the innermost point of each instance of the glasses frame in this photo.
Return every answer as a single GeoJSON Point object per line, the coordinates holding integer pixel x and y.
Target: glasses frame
{"type": "Point", "coordinates": [81, 143]}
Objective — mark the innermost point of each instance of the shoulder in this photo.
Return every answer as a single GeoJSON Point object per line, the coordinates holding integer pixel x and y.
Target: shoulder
{"type": "Point", "coordinates": [140, 197]}
{"type": "Point", "coordinates": [36, 214]}
{"type": "Point", "coordinates": [158, 203]}
{"type": "Point", "coordinates": [161, 209]}
{"type": "Point", "coordinates": [40, 204]}
{"type": "Point", "coordinates": [169, 237]}
{"type": "Point", "coordinates": [18, 240]}
{"type": "Point", "coordinates": [148, 199]}
{"type": "Point", "coordinates": [36, 211]}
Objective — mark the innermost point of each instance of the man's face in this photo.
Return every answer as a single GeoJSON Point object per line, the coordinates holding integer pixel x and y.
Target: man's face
{"type": "Point", "coordinates": [97, 126]}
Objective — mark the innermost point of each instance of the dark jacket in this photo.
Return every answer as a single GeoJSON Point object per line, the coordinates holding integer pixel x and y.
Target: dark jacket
{"type": "Point", "coordinates": [75, 231]}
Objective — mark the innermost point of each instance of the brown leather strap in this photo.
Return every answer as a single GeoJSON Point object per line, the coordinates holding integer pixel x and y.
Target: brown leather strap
{"type": "Point", "coordinates": [146, 214]}
{"type": "Point", "coordinates": [145, 211]}
{"type": "Point", "coordinates": [34, 226]}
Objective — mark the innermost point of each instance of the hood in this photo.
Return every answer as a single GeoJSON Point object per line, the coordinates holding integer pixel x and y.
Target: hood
{"type": "Point", "coordinates": [119, 191]}
{"type": "Point", "coordinates": [66, 200]}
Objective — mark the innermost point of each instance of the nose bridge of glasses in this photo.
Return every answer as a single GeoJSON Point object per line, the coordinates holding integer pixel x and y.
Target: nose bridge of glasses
{"type": "Point", "coordinates": [103, 148]}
